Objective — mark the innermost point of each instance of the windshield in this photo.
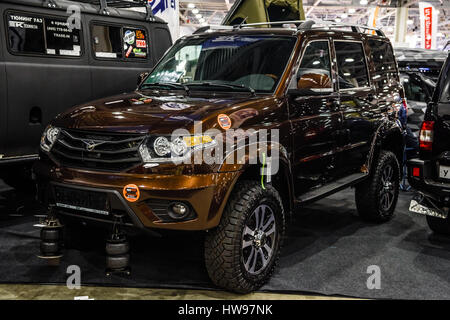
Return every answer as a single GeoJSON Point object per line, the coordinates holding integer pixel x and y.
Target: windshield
{"type": "Point", "coordinates": [231, 63]}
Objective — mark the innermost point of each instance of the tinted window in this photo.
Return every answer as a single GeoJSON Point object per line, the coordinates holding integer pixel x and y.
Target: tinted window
{"type": "Point", "coordinates": [42, 35]}
{"type": "Point", "coordinates": [315, 66]}
{"type": "Point", "coordinates": [107, 41]}
{"type": "Point", "coordinates": [351, 63]}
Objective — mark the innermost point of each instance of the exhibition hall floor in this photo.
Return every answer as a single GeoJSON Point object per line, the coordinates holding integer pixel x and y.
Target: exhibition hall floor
{"type": "Point", "coordinates": [328, 251]}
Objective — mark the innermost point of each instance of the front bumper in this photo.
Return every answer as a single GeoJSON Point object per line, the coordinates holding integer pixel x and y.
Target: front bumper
{"type": "Point", "coordinates": [206, 194]}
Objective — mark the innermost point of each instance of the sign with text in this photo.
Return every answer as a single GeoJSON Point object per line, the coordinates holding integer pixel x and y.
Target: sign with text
{"type": "Point", "coordinates": [428, 25]}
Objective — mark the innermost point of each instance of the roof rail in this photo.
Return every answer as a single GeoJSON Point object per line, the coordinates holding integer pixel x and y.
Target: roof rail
{"type": "Point", "coordinates": [104, 4]}
{"type": "Point", "coordinates": [212, 28]}
{"type": "Point", "coordinates": [303, 25]}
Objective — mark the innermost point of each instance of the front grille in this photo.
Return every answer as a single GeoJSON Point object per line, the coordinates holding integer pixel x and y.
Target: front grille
{"type": "Point", "coordinates": [97, 150]}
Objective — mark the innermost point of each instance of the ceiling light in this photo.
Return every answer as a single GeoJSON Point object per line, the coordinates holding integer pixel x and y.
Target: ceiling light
{"type": "Point", "coordinates": [191, 6]}
{"type": "Point", "coordinates": [201, 20]}
{"type": "Point", "coordinates": [390, 29]}
{"type": "Point", "coordinates": [194, 11]}
{"type": "Point", "coordinates": [437, 11]}
{"type": "Point", "coordinates": [338, 20]}
{"type": "Point", "coordinates": [344, 16]}
{"type": "Point", "coordinates": [351, 10]}
{"type": "Point", "coordinates": [204, 24]}
{"type": "Point", "coordinates": [198, 16]}
{"type": "Point", "coordinates": [410, 22]}
{"type": "Point", "coordinates": [363, 2]}
{"type": "Point", "coordinates": [439, 34]}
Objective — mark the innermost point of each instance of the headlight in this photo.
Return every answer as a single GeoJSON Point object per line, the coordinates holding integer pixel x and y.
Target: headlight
{"type": "Point", "coordinates": [48, 138]}
{"type": "Point", "coordinates": [162, 149]}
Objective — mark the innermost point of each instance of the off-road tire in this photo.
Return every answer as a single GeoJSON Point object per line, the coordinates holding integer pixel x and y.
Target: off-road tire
{"type": "Point", "coordinates": [223, 245]}
{"type": "Point", "coordinates": [367, 193]}
{"type": "Point", "coordinates": [439, 225]}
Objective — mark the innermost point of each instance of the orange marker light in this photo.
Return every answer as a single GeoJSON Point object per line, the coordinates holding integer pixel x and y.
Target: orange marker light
{"type": "Point", "coordinates": [131, 192]}
{"type": "Point", "coordinates": [224, 121]}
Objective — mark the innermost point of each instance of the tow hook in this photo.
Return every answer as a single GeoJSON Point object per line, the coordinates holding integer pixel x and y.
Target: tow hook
{"type": "Point", "coordinates": [51, 237]}
{"type": "Point", "coordinates": [117, 249]}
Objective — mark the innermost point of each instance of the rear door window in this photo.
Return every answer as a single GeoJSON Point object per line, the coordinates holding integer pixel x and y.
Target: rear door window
{"type": "Point", "coordinates": [34, 34]}
{"type": "Point", "coordinates": [352, 68]}
{"type": "Point", "coordinates": [121, 43]}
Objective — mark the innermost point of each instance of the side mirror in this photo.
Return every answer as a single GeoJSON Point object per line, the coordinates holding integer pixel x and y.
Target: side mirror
{"type": "Point", "coordinates": [314, 81]}
{"type": "Point", "coordinates": [142, 77]}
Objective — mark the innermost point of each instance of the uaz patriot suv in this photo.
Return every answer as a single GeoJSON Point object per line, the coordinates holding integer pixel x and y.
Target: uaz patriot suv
{"type": "Point", "coordinates": [232, 131]}
{"type": "Point", "coordinates": [430, 173]}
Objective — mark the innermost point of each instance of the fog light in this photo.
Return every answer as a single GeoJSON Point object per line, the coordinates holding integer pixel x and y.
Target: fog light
{"type": "Point", "coordinates": [178, 210]}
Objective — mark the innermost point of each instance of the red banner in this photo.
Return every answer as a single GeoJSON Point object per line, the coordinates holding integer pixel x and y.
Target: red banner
{"type": "Point", "coordinates": [428, 16]}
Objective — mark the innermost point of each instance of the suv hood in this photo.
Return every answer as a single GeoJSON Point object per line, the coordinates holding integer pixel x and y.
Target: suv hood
{"type": "Point", "coordinates": [142, 113]}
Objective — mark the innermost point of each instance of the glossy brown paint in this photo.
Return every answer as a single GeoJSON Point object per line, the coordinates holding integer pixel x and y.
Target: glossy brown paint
{"type": "Point", "coordinates": [315, 137]}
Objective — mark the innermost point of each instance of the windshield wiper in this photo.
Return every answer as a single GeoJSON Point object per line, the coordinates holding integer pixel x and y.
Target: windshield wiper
{"type": "Point", "coordinates": [224, 85]}
{"type": "Point", "coordinates": [172, 85]}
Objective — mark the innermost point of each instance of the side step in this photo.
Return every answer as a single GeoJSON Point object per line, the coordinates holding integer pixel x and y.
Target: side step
{"type": "Point", "coordinates": [331, 188]}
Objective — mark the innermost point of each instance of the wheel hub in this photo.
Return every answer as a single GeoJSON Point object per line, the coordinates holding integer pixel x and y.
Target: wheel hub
{"type": "Point", "coordinates": [259, 239]}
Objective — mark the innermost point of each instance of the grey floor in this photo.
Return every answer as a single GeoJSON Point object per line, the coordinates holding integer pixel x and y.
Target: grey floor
{"type": "Point", "coordinates": [327, 251]}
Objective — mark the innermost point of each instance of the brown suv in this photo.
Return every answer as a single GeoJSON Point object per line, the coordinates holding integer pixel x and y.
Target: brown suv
{"type": "Point", "coordinates": [231, 133]}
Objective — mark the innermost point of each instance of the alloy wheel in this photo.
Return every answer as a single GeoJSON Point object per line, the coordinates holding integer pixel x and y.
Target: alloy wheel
{"type": "Point", "coordinates": [258, 241]}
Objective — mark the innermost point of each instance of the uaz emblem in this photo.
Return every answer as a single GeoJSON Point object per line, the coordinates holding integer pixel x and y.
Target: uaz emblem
{"type": "Point", "coordinates": [90, 145]}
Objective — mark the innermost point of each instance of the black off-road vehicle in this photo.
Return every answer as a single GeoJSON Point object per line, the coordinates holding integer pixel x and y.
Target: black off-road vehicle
{"type": "Point", "coordinates": [430, 173]}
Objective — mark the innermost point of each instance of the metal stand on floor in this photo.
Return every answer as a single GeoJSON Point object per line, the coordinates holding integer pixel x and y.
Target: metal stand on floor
{"type": "Point", "coordinates": [51, 237]}
{"type": "Point", "coordinates": [117, 250]}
